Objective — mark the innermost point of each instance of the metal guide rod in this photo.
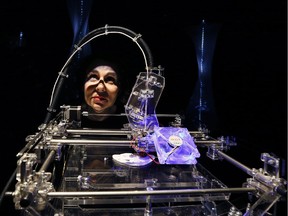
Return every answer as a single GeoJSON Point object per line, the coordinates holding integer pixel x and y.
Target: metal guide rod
{"type": "Point", "coordinates": [92, 142]}
{"type": "Point", "coordinates": [208, 141]}
{"type": "Point", "coordinates": [98, 132]}
{"type": "Point", "coordinates": [85, 113]}
{"type": "Point", "coordinates": [144, 192]}
{"type": "Point", "coordinates": [115, 142]}
{"type": "Point", "coordinates": [48, 160]}
{"type": "Point", "coordinates": [110, 132]}
{"type": "Point", "coordinates": [246, 169]}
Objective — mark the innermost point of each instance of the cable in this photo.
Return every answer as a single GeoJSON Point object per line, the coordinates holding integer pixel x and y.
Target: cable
{"type": "Point", "coordinates": [85, 40]}
{"type": "Point", "coordinates": [12, 177]}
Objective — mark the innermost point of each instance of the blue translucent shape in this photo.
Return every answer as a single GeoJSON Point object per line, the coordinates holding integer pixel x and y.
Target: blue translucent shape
{"type": "Point", "coordinates": [174, 145]}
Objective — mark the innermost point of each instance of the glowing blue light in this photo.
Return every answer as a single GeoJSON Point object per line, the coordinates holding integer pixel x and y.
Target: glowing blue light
{"type": "Point", "coordinates": [174, 145]}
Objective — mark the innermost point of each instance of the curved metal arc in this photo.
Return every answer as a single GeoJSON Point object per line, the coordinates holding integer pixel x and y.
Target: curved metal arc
{"type": "Point", "coordinates": [88, 38]}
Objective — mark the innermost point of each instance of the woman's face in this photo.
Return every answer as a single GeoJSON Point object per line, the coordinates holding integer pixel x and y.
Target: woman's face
{"type": "Point", "coordinates": [101, 88]}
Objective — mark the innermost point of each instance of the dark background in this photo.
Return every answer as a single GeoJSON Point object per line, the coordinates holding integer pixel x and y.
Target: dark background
{"type": "Point", "coordinates": [249, 65]}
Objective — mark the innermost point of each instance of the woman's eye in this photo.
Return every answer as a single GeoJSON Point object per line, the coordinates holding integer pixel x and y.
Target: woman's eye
{"type": "Point", "coordinates": [95, 78]}
{"type": "Point", "coordinates": [92, 77]}
{"type": "Point", "coordinates": [110, 80]}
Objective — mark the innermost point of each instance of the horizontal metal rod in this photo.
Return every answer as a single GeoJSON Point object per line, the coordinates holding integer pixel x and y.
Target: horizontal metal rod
{"type": "Point", "coordinates": [93, 142]}
{"type": "Point", "coordinates": [153, 192]}
{"type": "Point", "coordinates": [208, 142]}
{"type": "Point", "coordinates": [104, 142]}
{"type": "Point", "coordinates": [99, 132]}
{"type": "Point", "coordinates": [124, 114]}
{"type": "Point", "coordinates": [110, 132]}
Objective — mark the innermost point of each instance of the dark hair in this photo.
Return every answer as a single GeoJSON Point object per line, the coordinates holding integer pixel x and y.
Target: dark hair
{"type": "Point", "coordinates": [102, 62]}
{"type": "Point", "coordinates": [89, 63]}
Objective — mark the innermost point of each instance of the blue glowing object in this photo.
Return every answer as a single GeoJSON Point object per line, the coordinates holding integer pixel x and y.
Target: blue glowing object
{"type": "Point", "coordinates": [174, 145]}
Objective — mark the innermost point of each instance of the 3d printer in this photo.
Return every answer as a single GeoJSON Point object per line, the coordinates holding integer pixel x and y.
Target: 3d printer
{"type": "Point", "coordinates": [140, 169]}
